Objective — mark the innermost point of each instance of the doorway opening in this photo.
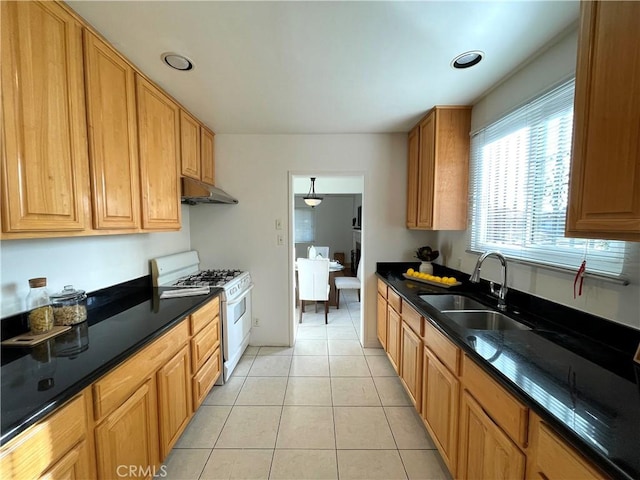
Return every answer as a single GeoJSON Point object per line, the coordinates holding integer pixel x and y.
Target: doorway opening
{"type": "Point", "coordinates": [333, 227]}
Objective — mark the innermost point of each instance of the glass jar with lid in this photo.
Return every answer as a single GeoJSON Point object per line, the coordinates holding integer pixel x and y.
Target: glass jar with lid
{"type": "Point", "coordinates": [39, 305]}
{"type": "Point", "coordinates": [69, 306]}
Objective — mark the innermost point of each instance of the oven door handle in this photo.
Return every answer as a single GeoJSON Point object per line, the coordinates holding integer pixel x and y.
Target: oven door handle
{"type": "Point", "coordinates": [241, 297]}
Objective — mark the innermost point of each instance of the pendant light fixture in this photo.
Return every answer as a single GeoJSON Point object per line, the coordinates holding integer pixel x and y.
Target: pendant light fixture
{"type": "Point", "coordinates": [311, 198]}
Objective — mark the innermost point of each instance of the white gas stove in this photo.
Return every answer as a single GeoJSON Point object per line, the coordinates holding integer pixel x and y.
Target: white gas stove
{"type": "Point", "coordinates": [182, 270]}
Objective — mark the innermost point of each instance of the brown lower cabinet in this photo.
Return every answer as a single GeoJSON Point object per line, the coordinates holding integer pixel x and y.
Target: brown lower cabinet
{"type": "Point", "coordinates": [393, 337]}
{"type": "Point", "coordinates": [411, 363]}
{"type": "Point", "coordinates": [125, 424]}
{"type": "Point", "coordinates": [440, 395]}
{"type": "Point", "coordinates": [56, 447]}
{"type": "Point", "coordinates": [174, 399]}
{"type": "Point", "coordinates": [128, 437]}
{"type": "Point", "coordinates": [480, 429]}
{"type": "Point", "coordinates": [382, 321]}
{"type": "Point", "coordinates": [550, 458]}
{"type": "Point", "coordinates": [486, 452]}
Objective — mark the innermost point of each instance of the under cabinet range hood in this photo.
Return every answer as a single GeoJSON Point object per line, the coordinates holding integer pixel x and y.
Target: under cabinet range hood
{"type": "Point", "coordinates": [194, 192]}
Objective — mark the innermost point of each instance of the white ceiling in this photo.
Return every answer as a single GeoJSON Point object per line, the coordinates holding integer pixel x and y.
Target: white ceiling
{"type": "Point", "coordinates": [325, 67]}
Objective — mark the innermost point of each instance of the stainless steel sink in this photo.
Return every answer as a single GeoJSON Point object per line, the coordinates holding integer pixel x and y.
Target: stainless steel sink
{"type": "Point", "coordinates": [484, 320]}
{"type": "Point", "coordinates": [453, 302]}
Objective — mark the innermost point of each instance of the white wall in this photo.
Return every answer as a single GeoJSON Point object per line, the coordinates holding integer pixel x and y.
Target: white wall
{"type": "Point", "coordinates": [87, 263]}
{"type": "Point", "coordinates": [332, 225]}
{"type": "Point", "coordinates": [255, 169]}
{"type": "Point", "coordinates": [614, 302]}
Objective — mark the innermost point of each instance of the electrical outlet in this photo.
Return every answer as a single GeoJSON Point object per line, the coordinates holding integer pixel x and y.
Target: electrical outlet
{"type": "Point", "coordinates": [256, 322]}
{"type": "Point", "coordinates": [459, 264]}
{"type": "Point", "coordinates": [280, 239]}
{"type": "Point", "coordinates": [278, 224]}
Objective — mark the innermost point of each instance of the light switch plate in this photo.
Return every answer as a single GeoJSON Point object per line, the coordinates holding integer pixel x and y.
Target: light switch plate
{"type": "Point", "coordinates": [278, 224]}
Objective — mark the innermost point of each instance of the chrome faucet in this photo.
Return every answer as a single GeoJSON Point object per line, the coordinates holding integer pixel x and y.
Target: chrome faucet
{"type": "Point", "coordinates": [502, 293]}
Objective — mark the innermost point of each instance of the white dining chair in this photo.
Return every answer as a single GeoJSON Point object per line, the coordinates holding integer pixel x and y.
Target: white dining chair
{"type": "Point", "coordinates": [313, 283]}
{"type": "Point", "coordinates": [348, 283]}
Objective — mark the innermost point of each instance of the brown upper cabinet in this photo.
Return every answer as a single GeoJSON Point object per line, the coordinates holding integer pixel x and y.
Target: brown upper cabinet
{"type": "Point", "coordinates": [197, 142]}
{"type": "Point", "coordinates": [438, 170]}
{"type": "Point", "coordinates": [207, 156]}
{"type": "Point", "coordinates": [45, 182]}
{"type": "Point", "coordinates": [190, 145]}
{"type": "Point", "coordinates": [159, 141]}
{"type": "Point", "coordinates": [113, 137]}
{"type": "Point", "coordinates": [91, 146]}
{"type": "Point", "coordinates": [604, 198]}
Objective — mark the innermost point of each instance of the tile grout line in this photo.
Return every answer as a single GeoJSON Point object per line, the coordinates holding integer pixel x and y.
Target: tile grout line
{"type": "Point", "coordinates": [221, 429]}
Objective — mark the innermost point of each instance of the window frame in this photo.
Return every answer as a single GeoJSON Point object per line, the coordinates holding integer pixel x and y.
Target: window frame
{"type": "Point", "coordinates": [534, 115]}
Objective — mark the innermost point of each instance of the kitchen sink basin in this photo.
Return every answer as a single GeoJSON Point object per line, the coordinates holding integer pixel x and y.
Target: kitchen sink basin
{"type": "Point", "coordinates": [453, 302]}
{"type": "Point", "coordinates": [484, 320]}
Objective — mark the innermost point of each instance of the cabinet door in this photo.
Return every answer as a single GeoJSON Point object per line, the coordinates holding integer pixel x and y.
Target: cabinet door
{"type": "Point", "coordinates": [604, 198]}
{"type": "Point", "coordinates": [551, 458]}
{"type": "Point", "coordinates": [411, 364]}
{"type": "Point", "coordinates": [382, 321]}
{"type": "Point", "coordinates": [204, 343]}
{"type": "Point", "coordinates": [207, 157]}
{"type": "Point", "coordinates": [451, 170]}
{"type": "Point", "coordinates": [129, 436]}
{"type": "Point", "coordinates": [61, 433]}
{"type": "Point", "coordinates": [485, 450]}
{"type": "Point", "coordinates": [426, 171]}
{"type": "Point", "coordinates": [440, 397]}
{"type": "Point", "coordinates": [159, 146]}
{"type": "Point", "coordinates": [204, 379]}
{"type": "Point", "coordinates": [412, 178]}
{"type": "Point", "coordinates": [393, 337]}
{"type": "Point", "coordinates": [174, 399]}
{"type": "Point", "coordinates": [113, 137]}
{"type": "Point", "coordinates": [73, 466]}
{"type": "Point", "coordinates": [45, 184]}
{"type": "Point", "coordinates": [189, 145]}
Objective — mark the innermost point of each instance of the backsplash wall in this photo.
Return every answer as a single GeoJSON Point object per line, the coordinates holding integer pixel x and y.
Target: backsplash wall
{"type": "Point", "coordinates": [87, 263]}
{"type": "Point", "coordinates": [615, 302]}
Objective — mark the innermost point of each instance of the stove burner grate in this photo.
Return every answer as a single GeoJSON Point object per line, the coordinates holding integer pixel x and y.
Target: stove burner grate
{"type": "Point", "coordinates": [213, 278]}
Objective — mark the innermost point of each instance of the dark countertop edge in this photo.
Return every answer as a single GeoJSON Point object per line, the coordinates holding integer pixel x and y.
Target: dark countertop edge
{"type": "Point", "coordinates": [58, 401]}
{"type": "Point", "coordinates": [604, 463]}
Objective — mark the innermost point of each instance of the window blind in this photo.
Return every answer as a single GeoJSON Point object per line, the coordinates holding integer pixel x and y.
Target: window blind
{"type": "Point", "coordinates": [519, 188]}
{"type": "Point", "coordinates": [304, 221]}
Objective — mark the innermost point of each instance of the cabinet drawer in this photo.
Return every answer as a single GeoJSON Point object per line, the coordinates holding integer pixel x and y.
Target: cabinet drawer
{"type": "Point", "coordinates": [204, 343]}
{"type": "Point", "coordinates": [394, 300]}
{"type": "Point", "coordinates": [203, 316]}
{"type": "Point", "coordinates": [115, 387]}
{"type": "Point", "coordinates": [33, 452]}
{"type": "Point", "coordinates": [205, 378]}
{"type": "Point", "coordinates": [412, 318]}
{"type": "Point", "coordinates": [446, 351]}
{"type": "Point", "coordinates": [499, 404]}
{"type": "Point", "coordinates": [382, 288]}
{"type": "Point", "coordinates": [558, 460]}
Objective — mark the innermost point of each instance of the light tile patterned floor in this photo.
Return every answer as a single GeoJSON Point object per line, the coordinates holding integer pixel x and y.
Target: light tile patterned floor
{"type": "Point", "coordinates": [324, 409]}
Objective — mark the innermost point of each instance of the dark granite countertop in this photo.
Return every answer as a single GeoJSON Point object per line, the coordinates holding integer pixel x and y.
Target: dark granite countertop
{"type": "Point", "coordinates": [576, 371]}
{"type": "Point", "coordinates": [121, 320]}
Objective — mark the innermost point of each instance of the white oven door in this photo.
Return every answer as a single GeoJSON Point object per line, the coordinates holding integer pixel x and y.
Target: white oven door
{"type": "Point", "coordinates": [236, 329]}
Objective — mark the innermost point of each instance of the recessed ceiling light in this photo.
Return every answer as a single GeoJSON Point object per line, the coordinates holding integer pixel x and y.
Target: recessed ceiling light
{"type": "Point", "coordinates": [177, 61]}
{"type": "Point", "coordinates": [467, 59]}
